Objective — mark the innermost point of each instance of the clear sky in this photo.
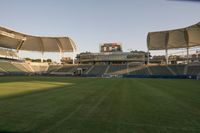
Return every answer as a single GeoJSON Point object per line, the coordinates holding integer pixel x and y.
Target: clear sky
{"type": "Point", "coordinates": [91, 22]}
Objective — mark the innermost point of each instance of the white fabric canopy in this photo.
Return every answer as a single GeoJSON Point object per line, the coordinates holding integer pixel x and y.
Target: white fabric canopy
{"type": "Point", "coordinates": [15, 40]}
{"type": "Point", "coordinates": [171, 39]}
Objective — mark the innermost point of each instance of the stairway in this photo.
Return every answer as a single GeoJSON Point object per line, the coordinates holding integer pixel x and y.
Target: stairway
{"type": "Point", "coordinates": [89, 69]}
{"type": "Point", "coordinates": [185, 70]}
{"type": "Point", "coordinates": [171, 70]}
{"type": "Point", "coordinates": [108, 67]}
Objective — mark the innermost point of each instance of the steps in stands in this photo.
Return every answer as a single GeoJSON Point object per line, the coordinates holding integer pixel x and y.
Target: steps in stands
{"type": "Point", "coordinates": [108, 67]}
{"type": "Point", "coordinates": [185, 70]}
{"type": "Point", "coordinates": [89, 69]}
{"type": "Point", "coordinates": [171, 70]}
{"type": "Point", "coordinates": [150, 72]}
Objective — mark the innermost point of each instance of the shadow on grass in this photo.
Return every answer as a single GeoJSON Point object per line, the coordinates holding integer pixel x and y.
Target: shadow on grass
{"type": "Point", "coordinates": [7, 79]}
{"type": "Point", "coordinates": [57, 82]}
{"type": "Point", "coordinates": [1, 131]}
{"type": "Point", "coordinates": [36, 91]}
{"type": "Point", "coordinates": [23, 99]}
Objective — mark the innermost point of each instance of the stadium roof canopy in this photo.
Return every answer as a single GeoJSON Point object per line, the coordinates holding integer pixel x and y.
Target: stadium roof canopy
{"type": "Point", "coordinates": [15, 40]}
{"type": "Point", "coordinates": [172, 39]}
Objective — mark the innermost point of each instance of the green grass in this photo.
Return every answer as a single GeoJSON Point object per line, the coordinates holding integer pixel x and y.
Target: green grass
{"type": "Point", "coordinates": [94, 105]}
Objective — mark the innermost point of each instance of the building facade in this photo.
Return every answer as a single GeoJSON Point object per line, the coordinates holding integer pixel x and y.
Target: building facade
{"type": "Point", "coordinates": [111, 53]}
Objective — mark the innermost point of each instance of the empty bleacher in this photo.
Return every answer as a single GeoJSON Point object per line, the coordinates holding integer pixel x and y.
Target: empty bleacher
{"type": "Point", "coordinates": [9, 67]}
{"type": "Point", "coordinates": [193, 70]}
{"type": "Point", "coordinates": [98, 70]}
{"type": "Point", "coordinates": [85, 68]}
{"type": "Point", "coordinates": [39, 67]}
{"type": "Point", "coordinates": [160, 70]}
{"type": "Point", "coordinates": [177, 69]}
{"type": "Point", "coordinates": [21, 66]}
{"type": "Point", "coordinates": [8, 53]}
{"type": "Point", "coordinates": [27, 67]}
{"type": "Point", "coordinates": [142, 71]}
{"type": "Point", "coordinates": [52, 68]}
{"type": "Point", "coordinates": [2, 70]}
{"type": "Point", "coordinates": [67, 68]}
{"type": "Point", "coordinates": [114, 69]}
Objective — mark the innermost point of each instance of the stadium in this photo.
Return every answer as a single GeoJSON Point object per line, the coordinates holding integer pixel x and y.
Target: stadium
{"type": "Point", "coordinates": [110, 61]}
{"type": "Point", "coordinates": [110, 91]}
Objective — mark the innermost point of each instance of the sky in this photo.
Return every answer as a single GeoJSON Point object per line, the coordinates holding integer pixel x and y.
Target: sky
{"type": "Point", "coordinates": [91, 22]}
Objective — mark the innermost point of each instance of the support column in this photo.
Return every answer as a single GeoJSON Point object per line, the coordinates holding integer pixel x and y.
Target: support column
{"type": "Point", "coordinates": [148, 56]}
{"type": "Point", "coordinates": [42, 57]}
{"type": "Point", "coordinates": [127, 68]}
{"type": "Point", "coordinates": [166, 56]}
{"type": "Point", "coordinates": [166, 47]}
{"type": "Point", "coordinates": [61, 54]}
{"type": "Point", "coordinates": [74, 56]}
{"type": "Point", "coordinates": [187, 55]}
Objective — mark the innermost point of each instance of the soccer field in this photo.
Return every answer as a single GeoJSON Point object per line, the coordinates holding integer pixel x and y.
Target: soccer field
{"type": "Point", "coordinates": [96, 105]}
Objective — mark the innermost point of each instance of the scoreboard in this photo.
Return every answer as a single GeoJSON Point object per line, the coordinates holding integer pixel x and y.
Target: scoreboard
{"type": "Point", "coordinates": [110, 47]}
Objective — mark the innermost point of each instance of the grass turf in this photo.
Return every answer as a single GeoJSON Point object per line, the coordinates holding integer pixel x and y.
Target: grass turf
{"type": "Point", "coordinates": [94, 105]}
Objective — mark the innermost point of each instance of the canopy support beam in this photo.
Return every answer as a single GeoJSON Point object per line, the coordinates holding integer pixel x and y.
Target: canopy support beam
{"type": "Point", "coordinates": [42, 49]}
{"type": "Point", "coordinates": [166, 48]}
{"type": "Point", "coordinates": [59, 44]}
{"type": "Point", "coordinates": [148, 40]}
{"type": "Point", "coordinates": [20, 45]}
{"type": "Point", "coordinates": [73, 46]}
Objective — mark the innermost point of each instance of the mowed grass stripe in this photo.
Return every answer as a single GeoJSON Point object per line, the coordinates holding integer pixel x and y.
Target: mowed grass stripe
{"type": "Point", "coordinates": [43, 104]}
{"type": "Point", "coordinates": [110, 121]}
{"type": "Point", "coordinates": [87, 106]}
{"type": "Point", "coordinates": [104, 105]}
{"type": "Point", "coordinates": [172, 106]}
